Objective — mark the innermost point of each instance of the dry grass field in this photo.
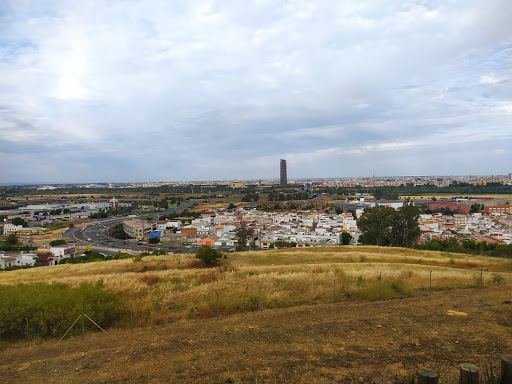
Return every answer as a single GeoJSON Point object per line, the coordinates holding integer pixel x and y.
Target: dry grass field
{"type": "Point", "coordinates": [327, 317]}
{"type": "Point", "coordinates": [41, 240]}
{"type": "Point", "coordinates": [161, 289]}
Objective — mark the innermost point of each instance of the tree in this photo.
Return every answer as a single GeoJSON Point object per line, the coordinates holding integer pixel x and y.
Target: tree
{"type": "Point", "coordinates": [243, 234]}
{"type": "Point", "coordinates": [284, 244]}
{"type": "Point", "coordinates": [118, 232]}
{"type": "Point", "coordinates": [43, 259]}
{"type": "Point", "coordinates": [154, 240]}
{"type": "Point", "coordinates": [378, 193]}
{"type": "Point", "coordinates": [209, 255]}
{"type": "Point", "coordinates": [447, 211]}
{"type": "Point", "coordinates": [375, 224]}
{"type": "Point", "coordinates": [231, 206]}
{"type": "Point", "coordinates": [405, 226]}
{"type": "Point", "coordinates": [12, 239]}
{"type": "Point", "coordinates": [54, 243]}
{"type": "Point", "coordinates": [163, 204]}
{"type": "Point", "coordinates": [19, 221]}
{"type": "Point", "coordinates": [474, 208]}
{"type": "Point", "coordinates": [346, 237]}
{"type": "Point", "coordinates": [383, 193]}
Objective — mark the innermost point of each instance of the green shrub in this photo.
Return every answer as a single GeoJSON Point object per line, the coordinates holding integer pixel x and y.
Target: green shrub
{"type": "Point", "coordinates": [52, 308]}
{"type": "Point", "coordinates": [54, 243]}
{"type": "Point", "coordinates": [12, 239]}
{"type": "Point", "coordinates": [390, 288]}
{"type": "Point", "coordinates": [209, 255]}
{"type": "Point", "coordinates": [497, 278]}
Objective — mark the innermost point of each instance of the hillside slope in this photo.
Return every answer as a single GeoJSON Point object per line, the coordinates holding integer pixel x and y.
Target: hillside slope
{"type": "Point", "coordinates": [339, 314]}
{"type": "Point", "coordinates": [329, 343]}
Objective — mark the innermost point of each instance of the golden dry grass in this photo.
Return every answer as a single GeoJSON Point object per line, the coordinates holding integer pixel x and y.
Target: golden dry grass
{"type": "Point", "coordinates": [160, 289]}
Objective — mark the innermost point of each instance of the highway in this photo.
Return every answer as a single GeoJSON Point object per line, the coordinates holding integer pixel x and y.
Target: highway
{"type": "Point", "coordinates": [96, 234]}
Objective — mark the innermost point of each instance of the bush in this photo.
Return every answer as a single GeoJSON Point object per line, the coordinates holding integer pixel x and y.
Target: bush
{"type": "Point", "coordinates": [12, 239]}
{"type": "Point", "coordinates": [54, 243]}
{"type": "Point", "coordinates": [118, 232]}
{"type": "Point", "coordinates": [52, 308]}
{"type": "Point", "coordinates": [209, 255]}
{"type": "Point", "coordinates": [497, 278]}
{"type": "Point", "coordinates": [89, 256]}
{"type": "Point", "coordinates": [390, 288]}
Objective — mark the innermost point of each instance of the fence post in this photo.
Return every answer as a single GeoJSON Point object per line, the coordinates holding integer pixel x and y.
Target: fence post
{"type": "Point", "coordinates": [428, 376]}
{"type": "Point", "coordinates": [261, 302]}
{"type": "Point", "coordinates": [217, 306]}
{"type": "Point", "coordinates": [379, 278]}
{"type": "Point", "coordinates": [334, 290]}
{"type": "Point", "coordinates": [506, 370]}
{"type": "Point", "coordinates": [481, 277]}
{"type": "Point", "coordinates": [430, 282]}
{"type": "Point", "coordinates": [83, 321]}
{"type": "Point", "coordinates": [468, 374]}
{"type": "Point", "coordinates": [131, 316]}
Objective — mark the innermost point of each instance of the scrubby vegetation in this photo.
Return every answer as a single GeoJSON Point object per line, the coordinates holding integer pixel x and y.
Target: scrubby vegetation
{"type": "Point", "coordinates": [163, 289]}
{"type": "Point", "coordinates": [208, 255]}
{"type": "Point", "coordinates": [118, 232]}
{"type": "Point", "coordinates": [93, 256]}
{"type": "Point", "coordinates": [47, 310]}
{"type": "Point", "coordinates": [469, 247]}
{"type": "Point", "coordinates": [55, 243]}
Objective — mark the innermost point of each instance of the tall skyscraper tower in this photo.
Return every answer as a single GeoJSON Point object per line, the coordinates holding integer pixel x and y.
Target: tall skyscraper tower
{"type": "Point", "coordinates": [283, 179]}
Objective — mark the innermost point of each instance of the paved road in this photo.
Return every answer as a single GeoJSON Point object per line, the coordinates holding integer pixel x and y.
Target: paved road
{"type": "Point", "coordinates": [97, 235]}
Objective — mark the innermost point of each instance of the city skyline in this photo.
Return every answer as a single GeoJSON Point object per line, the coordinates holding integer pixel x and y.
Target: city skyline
{"type": "Point", "coordinates": [398, 178]}
{"type": "Point", "coordinates": [164, 91]}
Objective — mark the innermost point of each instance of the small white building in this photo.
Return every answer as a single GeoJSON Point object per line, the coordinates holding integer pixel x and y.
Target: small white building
{"type": "Point", "coordinates": [27, 259]}
{"type": "Point", "coordinates": [7, 261]}
{"type": "Point", "coordinates": [10, 228]}
{"type": "Point", "coordinates": [226, 240]}
{"type": "Point", "coordinates": [58, 252]}
{"type": "Point", "coordinates": [63, 251]}
{"type": "Point", "coordinates": [168, 226]}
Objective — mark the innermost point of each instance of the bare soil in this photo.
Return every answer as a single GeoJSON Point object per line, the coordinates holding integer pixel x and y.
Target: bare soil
{"type": "Point", "coordinates": [370, 342]}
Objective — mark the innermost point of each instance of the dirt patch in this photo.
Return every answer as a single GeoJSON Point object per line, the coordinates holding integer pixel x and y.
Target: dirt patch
{"type": "Point", "coordinates": [373, 342]}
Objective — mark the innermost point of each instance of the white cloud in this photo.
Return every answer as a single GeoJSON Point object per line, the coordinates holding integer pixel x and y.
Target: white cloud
{"type": "Point", "coordinates": [224, 83]}
{"type": "Point", "coordinates": [489, 79]}
{"type": "Point", "coordinates": [504, 108]}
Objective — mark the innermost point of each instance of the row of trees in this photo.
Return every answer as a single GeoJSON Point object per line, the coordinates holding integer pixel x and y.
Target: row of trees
{"type": "Point", "coordinates": [468, 246]}
{"type": "Point", "coordinates": [381, 225]}
{"type": "Point", "coordinates": [11, 244]}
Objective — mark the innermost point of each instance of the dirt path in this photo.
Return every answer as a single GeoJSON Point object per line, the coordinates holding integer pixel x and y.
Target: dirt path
{"type": "Point", "coordinates": [337, 343]}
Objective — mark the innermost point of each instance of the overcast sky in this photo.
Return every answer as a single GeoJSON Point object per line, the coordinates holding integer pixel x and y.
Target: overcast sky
{"type": "Point", "coordinates": [106, 91]}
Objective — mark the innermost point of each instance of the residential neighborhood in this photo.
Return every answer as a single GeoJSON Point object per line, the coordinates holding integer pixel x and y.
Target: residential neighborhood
{"type": "Point", "coordinates": [321, 219]}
